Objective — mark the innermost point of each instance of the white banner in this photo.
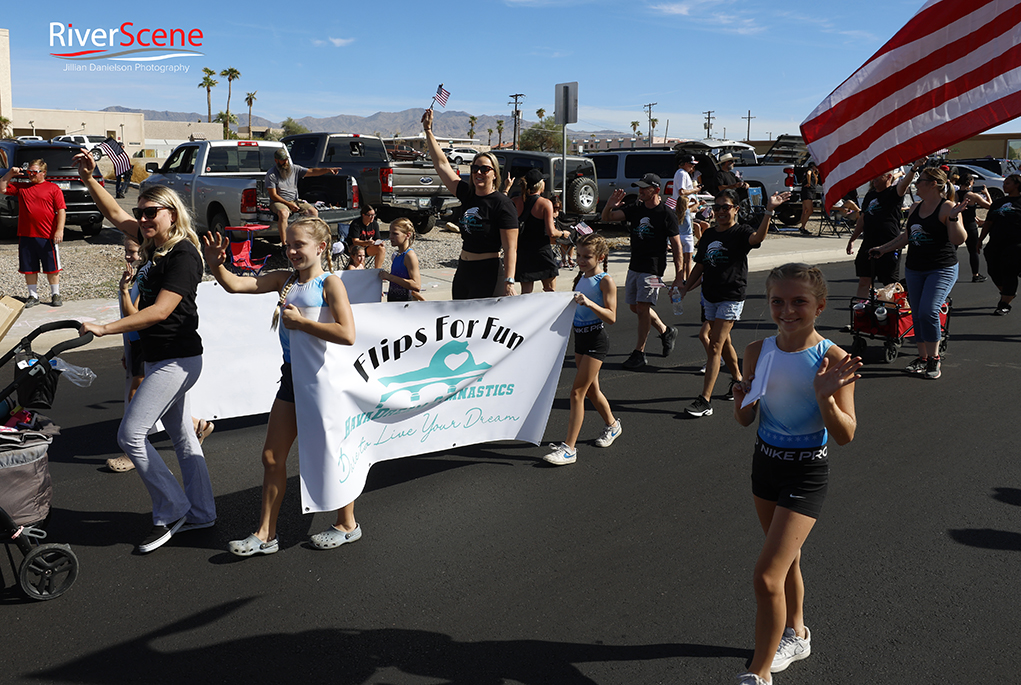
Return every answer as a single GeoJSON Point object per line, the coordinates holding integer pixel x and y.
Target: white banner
{"type": "Point", "coordinates": [423, 377]}
{"type": "Point", "coordinates": [241, 355]}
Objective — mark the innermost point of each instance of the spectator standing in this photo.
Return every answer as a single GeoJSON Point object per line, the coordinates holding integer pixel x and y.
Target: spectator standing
{"type": "Point", "coordinates": [1003, 252]}
{"type": "Point", "coordinates": [536, 261]}
{"type": "Point", "coordinates": [727, 179]}
{"type": "Point", "coordinates": [878, 223]}
{"type": "Point", "coordinates": [365, 233]}
{"type": "Point", "coordinates": [684, 187]}
{"type": "Point", "coordinates": [282, 188]}
{"type": "Point", "coordinates": [968, 216]}
{"type": "Point", "coordinates": [808, 196]}
{"type": "Point", "coordinates": [651, 227]}
{"type": "Point", "coordinates": [41, 216]}
{"type": "Point", "coordinates": [489, 223]}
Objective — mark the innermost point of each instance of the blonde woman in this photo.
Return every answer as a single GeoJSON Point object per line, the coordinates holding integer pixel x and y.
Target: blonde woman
{"type": "Point", "coordinates": [167, 322]}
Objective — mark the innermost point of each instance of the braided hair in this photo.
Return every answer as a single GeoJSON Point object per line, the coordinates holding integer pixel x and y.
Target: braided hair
{"type": "Point", "coordinates": [598, 245]}
{"type": "Point", "coordinates": [319, 231]}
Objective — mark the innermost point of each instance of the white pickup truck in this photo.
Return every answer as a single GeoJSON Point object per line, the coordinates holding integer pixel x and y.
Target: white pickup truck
{"type": "Point", "coordinates": [222, 183]}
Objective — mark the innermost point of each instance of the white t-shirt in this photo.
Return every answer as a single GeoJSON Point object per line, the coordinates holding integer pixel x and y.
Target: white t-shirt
{"type": "Point", "coordinates": [682, 181]}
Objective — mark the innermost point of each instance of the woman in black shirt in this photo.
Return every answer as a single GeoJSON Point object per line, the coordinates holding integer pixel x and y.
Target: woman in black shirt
{"type": "Point", "coordinates": [489, 223]}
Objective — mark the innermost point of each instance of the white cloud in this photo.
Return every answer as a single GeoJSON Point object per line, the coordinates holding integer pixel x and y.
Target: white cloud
{"type": "Point", "coordinates": [683, 9]}
{"type": "Point", "coordinates": [335, 42]}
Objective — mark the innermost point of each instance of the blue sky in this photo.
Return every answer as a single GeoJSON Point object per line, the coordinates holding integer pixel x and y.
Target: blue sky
{"type": "Point", "coordinates": [778, 60]}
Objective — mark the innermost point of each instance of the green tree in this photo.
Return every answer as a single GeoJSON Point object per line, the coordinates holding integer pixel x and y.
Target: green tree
{"type": "Point", "coordinates": [541, 113]}
{"type": "Point", "coordinates": [652, 131]}
{"type": "Point", "coordinates": [292, 127]}
{"type": "Point", "coordinates": [250, 100]}
{"type": "Point", "coordinates": [231, 74]}
{"type": "Point", "coordinates": [5, 125]}
{"type": "Point", "coordinates": [226, 118]}
{"type": "Point", "coordinates": [208, 82]}
{"type": "Point", "coordinates": [634, 127]}
{"type": "Point", "coordinates": [545, 136]}
{"type": "Point", "coordinates": [490, 132]}
{"type": "Point", "coordinates": [499, 132]}
{"type": "Point", "coordinates": [472, 120]}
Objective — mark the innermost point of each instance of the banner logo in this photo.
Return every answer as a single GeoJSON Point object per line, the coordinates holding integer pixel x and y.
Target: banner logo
{"type": "Point", "coordinates": [125, 43]}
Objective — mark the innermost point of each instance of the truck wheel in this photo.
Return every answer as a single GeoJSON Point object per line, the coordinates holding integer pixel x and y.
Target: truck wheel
{"type": "Point", "coordinates": [424, 223]}
{"type": "Point", "coordinates": [789, 214]}
{"type": "Point", "coordinates": [995, 193]}
{"type": "Point", "coordinates": [219, 223]}
{"type": "Point", "coordinates": [92, 229]}
{"type": "Point", "coordinates": [582, 195]}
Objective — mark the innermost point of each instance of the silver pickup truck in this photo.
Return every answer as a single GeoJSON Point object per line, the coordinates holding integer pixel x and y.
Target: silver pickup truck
{"type": "Point", "coordinates": [222, 183]}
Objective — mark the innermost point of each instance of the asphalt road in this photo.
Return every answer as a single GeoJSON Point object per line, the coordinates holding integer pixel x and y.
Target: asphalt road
{"type": "Point", "coordinates": [485, 566]}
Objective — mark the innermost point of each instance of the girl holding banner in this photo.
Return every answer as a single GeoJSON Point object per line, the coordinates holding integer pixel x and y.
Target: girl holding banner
{"type": "Point", "coordinates": [596, 295]}
{"type": "Point", "coordinates": [307, 286]}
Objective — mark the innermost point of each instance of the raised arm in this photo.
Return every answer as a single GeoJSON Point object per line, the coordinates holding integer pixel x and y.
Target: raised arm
{"type": "Point", "coordinates": [447, 174]}
{"type": "Point", "coordinates": [214, 248]}
{"type": "Point", "coordinates": [611, 211]}
{"type": "Point", "coordinates": [106, 203]}
{"type": "Point", "coordinates": [775, 200]}
{"type": "Point", "coordinates": [834, 390]}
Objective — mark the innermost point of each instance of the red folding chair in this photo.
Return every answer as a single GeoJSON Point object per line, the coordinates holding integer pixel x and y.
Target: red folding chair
{"type": "Point", "coordinates": [241, 250]}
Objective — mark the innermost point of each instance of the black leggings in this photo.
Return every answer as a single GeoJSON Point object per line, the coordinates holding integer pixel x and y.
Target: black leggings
{"type": "Point", "coordinates": [972, 243]}
{"type": "Point", "coordinates": [1004, 263]}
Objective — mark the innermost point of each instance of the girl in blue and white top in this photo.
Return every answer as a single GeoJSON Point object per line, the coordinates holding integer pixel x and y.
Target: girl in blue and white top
{"type": "Point", "coordinates": [808, 395]}
{"type": "Point", "coordinates": [596, 295]}
{"type": "Point", "coordinates": [404, 274]}
{"type": "Point", "coordinates": [307, 240]}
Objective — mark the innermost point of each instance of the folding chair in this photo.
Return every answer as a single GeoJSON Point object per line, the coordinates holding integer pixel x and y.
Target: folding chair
{"type": "Point", "coordinates": [835, 223]}
{"type": "Point", "coordinates": [241, 250]}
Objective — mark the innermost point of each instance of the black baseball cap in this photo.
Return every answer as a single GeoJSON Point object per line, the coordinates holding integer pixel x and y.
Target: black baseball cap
{"type": "Point", "coordinates": [648, 181]}
{"type": "Point", "coordinates": [533, 176]}
{"type": "Point", "coordinates": [687, 159]}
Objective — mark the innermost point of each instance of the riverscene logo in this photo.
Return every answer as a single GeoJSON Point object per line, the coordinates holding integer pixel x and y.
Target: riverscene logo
{"type": "Point", "coordinates": [126, 43]}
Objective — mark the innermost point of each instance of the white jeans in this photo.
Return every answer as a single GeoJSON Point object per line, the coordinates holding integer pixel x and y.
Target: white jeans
{"type": "Point", "coordinates": [163, 395]}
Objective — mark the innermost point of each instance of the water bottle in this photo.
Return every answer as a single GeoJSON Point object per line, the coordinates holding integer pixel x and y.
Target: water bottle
{"type": "Point", "coordinates": [676, 301]}
{"type": "Point", "coordinates": [881, 315]}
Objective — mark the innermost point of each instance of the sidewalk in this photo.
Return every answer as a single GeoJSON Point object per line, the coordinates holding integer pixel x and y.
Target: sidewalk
{"type": "Point", "coordinates": [776, 250]}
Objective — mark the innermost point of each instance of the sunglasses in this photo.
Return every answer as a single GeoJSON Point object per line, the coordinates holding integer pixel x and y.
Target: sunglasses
{"type": "Point", "coordinates": [723, 208]}
{"type": "Point", "coordinates": [32, 172]}
{"type": "Point", "coordinates": [148, 212]}
{"type": "Point", "coordinates": [479, 169]}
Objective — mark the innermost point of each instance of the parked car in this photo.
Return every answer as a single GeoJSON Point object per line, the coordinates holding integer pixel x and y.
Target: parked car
{"type": "Point", "coordinates": [222, 182]}
{"type": "Point", "coordinates": [81, 209]}
{"type": "Point", "coordinates": [1000, 167]}
{"type": "Point", "coordinates": [81, 140]}
{"type": "Point", "coordinates": [582, 195]}
{"type": "Point", "coordinates": [28, 138]}
{"type": "Point", "coordinates": [460, 155]}
{"type": "Point", "coordinates": [405, 153]}
{"type": "Point", "coordinates": [983, 177]}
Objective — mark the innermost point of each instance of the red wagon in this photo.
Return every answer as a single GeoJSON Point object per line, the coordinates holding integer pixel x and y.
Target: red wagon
{"type": "Point", "coordinates": [891, 322]}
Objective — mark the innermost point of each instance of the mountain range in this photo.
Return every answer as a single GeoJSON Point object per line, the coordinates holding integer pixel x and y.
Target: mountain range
{"type": "Point", "coordinates": [407, 122]}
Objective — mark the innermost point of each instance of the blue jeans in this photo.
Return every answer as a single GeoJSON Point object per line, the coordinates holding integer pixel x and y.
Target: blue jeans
{"type": "Point", "coordinates": [927, 291]}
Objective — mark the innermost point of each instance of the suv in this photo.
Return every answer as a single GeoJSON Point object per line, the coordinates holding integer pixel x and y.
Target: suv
{"type": "Point", "coordinates": [460, 155]}
{"type": "Point", "coordinates": [1000, 167]}
{"type": "Point", "coordinates": [404, 153]}
{"type": "Point", "coordinates": [582, 184]}
{"type": "Point", "coordinates": [81, 209]}
{"type": "Point", "coordinates": [81, 140]}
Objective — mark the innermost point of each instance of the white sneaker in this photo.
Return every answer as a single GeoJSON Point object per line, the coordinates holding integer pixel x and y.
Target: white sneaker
{"type": "Point", "coordinates": [792, 648]}
{"type": "Point", "coordinates": [752, 679]}
{"type": "Point", "coordinates": [610, 433]}
{"type": "Point", "coordinates": [561, 455]}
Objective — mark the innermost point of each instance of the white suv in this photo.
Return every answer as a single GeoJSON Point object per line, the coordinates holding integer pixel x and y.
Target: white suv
{"type": "Point", "coordinates": [85, 141]}
{"type": "Point", "coordinates": [460, 155]}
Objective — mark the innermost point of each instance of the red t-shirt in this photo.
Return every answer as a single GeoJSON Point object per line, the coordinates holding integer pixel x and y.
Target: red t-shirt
{"type": "Point", "coordinates": [37, 208]}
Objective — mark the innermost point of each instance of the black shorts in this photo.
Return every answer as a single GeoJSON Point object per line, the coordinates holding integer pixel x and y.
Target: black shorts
{"type": "Point", "coordinates": [887, 266]}
{"type": "Point", "coordinates": [33, 252]}
{"type": "Point", "coordinates": [592, 341]}
{"type": "Point", "coordinates": [286, 391]}
{"type": "Point", "coordinates": [474, 280]}
{"type": "Point", "coordinates": [807, 193]}
{"type": "Point", "coordinates": [137, 365]}
{"type": "Point", "coordinates": [795, 478]}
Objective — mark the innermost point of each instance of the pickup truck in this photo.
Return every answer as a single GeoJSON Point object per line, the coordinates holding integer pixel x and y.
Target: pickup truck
{"type": "Point", "coordinates": [781, 168]}
{"type": "Point", "coordinates": [394, 189]}
{"type": "Point", "coordinates": [222, 182]}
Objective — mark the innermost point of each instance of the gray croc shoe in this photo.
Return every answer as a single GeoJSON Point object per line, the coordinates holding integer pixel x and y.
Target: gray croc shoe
{"type": "Point", "coordinates": [252, 545]}
{"type": "Point", "coordinates": [331, 537]}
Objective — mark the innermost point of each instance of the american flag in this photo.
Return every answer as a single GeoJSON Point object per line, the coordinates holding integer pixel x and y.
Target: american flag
{"type": "Point", "coordinates": [112, 149]}
{"type": "Point", "coordinates": [953, 71]}
{"type": "Point", "coordinates": [671, 202]}
{"type": "Point", "coordinates": [441, 95]}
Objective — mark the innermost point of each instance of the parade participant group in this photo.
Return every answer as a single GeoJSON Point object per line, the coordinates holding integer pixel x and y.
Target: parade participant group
{"type": "Point", "coordinates": [799, 385]}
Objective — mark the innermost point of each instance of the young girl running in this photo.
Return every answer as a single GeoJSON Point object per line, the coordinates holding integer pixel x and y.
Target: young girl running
{"type": "Point", "coordinates": [403, 276]}
{"type": "Point", "coordinates": [307, 286]}
{"type": "Point", "coordinates": [809, 394]}
{"type": "Point", "coordinates": [596, 295]}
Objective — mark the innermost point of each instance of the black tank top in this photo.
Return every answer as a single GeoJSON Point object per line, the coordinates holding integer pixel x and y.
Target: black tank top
{"type": "Point", "coordinates": [929, 245]}
{"type": "Point", "coordinates": [532, 234]}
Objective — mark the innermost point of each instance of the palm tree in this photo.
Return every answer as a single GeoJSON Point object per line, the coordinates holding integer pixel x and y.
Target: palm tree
{"type": "Point", "coordinates": [490, 132]}
{"type": "Point", "coordinates": [5, 123]}
{"type": "Point", "coordinates": [499, 131]}
{"type": "Point", "coordinates": [541, 113]}
{"type": "Point", "coordinates": [250, 100]}
{"type": "Point", "coordinates": [226, 118]}
{"type": "Point", "coordinates": [471, 126]}
{"type": "Point", "coordinates": [652, 130]}
{"type": "Point", "coordinates": [208, 82]}
{"type": "Point", "coordinates": [634, 127]}
{"type": "Point", "coordinates": [231, 74]}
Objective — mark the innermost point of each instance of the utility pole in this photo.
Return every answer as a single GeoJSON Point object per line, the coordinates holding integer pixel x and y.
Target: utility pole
{"type": "Point", "coordinates": [709, 123]}
{"type": "Point", "coordinates": [517, 116]}
{"type": "Point", "coordinates": [748, 136]}
{"type": "Point", "coordinates": [649, 108]}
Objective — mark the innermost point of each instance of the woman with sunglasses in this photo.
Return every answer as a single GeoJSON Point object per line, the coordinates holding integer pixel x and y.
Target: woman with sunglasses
{"type": "Point", "coordinates": [167, 322]}
{"type": "Point", "coordinates": [489, 223]}
{"type": "Point", "coordinates": [933, 231]}
{"type": "Point", "coordinates": [721, 263]}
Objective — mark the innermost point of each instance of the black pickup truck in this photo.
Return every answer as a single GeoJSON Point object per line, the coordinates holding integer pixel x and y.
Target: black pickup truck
{"type": "Point", "coordinates": [394, 189]}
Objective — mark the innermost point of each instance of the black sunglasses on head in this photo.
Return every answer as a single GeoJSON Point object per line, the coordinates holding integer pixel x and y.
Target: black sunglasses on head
{"type": "Point", "coordinates": [148, 212]}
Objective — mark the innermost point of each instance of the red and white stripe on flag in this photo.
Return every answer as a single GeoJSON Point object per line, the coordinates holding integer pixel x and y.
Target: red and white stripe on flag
{"type": "Point", "coordinates": [671, 202]}
{"type": "Point", "coordinates": [441, 95]}
{"type": "Point", "coordinates": [112, 149]}
{"type": "Point", "coordinates": [953, 71]}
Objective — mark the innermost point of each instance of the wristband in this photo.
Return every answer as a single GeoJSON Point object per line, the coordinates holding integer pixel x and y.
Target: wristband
{"type": "Point", "coordinates": [769, 212]}
{"type": "Point", "coordinates": [510, 280]}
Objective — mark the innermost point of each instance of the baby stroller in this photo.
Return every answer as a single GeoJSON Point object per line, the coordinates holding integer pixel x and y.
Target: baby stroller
{"type": "Point", "coordinates": [47, 570]}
